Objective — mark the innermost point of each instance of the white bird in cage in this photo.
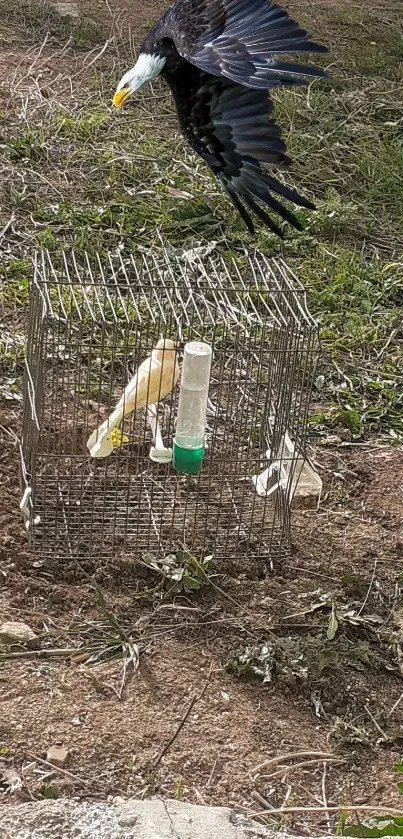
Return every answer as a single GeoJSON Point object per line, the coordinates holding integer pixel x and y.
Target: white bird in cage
{"type": "Point", "coordinates": [155, 378]}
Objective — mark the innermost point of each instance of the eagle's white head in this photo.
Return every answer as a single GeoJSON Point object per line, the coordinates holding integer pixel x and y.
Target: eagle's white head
{"type": "Point", "coordinates": [147, 68]}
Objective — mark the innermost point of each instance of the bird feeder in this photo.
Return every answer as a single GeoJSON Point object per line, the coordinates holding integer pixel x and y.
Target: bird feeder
{"type": "Point", "coordinates": [189, 442]}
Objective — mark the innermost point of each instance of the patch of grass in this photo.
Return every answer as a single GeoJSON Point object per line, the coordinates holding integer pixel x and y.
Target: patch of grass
{"type": "Point", "coordinates": [87, 126]}
{"type": "Point", "coordinates": [358, 304]}
{"type": "Point", "coordinates": [35, 17]}
{"type": "Point", "coordinates": [347, 151]}
{"type": "Point", "coordinates": [87, 33]}
{"type": "Point", "coordinates": [39, 19]}
{"type": "Point", "coordinates": [14, 283]}
{"type": "Point", "coordinates": [366, 40]}
{"type": "Point", "coordinates": [26, 147]}
{"type": "Point", "coordinates": [77, 174]}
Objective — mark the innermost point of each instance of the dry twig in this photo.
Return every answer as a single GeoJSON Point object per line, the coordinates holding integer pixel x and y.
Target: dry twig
{"type": "Point", "coordinates": [63, 771]}
{"type": "Point", "coordinates": [51, 653]}
{"type": "Point", "coordinates": [195, 698]}
{"type": "Point", "coordinates": [301, 765]}
{"type": "Point", "coordinates": [273, 761]}
{"type": "Point", "coordinates": [366, 808]}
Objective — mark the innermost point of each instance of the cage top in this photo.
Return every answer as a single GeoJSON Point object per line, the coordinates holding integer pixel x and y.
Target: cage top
{"type": "Point", "coordinates": [119, 288]}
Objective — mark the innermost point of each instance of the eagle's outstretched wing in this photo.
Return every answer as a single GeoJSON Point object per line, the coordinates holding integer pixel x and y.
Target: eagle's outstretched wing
{"type": "Point", "coordinates": [232, 128]}
{"type": "Point", "coordinates": [241, 39]}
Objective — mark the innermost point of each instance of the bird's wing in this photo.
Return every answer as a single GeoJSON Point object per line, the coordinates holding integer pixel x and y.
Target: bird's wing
{"type": "Point", "coordinates": [241, 39]}
{"type": "Point", "coordinates": [232, 128]}
{"type": "Point", "coordinates": [163, 378]}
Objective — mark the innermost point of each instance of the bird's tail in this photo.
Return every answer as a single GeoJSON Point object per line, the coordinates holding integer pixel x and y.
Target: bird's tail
{"type": "Point", "coordinates": [100, 443]}
{"type": "Point", "coordinates": [253, 201]}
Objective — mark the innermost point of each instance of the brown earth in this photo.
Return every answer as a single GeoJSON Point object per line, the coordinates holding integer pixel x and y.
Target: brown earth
{"type": "Point", "coordinates": [351, 549]}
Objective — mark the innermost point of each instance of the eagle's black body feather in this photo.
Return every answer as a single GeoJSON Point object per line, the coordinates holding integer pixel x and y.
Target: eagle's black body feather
{"type": "Point", "coordinates": [231, 128]}
{"type": "Point", "coordinates": [220, 61]}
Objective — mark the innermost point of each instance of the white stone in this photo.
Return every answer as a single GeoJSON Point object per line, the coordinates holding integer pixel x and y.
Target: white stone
{"type": "Point", "coordinates": [67, 9]}
{"type": "Point", "coordinates": [57, 755]}
{"type": "Point", "coordinates": [154, 819]}
{"type": "Point", "coordinates": [16, 632]}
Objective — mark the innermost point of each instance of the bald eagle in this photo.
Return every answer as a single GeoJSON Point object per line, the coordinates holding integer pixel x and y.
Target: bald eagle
{"type": "Point", "coordinates": [220, 59]}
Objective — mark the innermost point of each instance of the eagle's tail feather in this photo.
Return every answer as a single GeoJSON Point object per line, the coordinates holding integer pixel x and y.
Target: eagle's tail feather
{"type": "Point", "coordinates": [288, 192]}
{"type": "Point", "coordinates": [251, 196]}
{"type": "Point", "coordinates": [264, 217]}
{"type": "Point", "coordinates": [239, 206]}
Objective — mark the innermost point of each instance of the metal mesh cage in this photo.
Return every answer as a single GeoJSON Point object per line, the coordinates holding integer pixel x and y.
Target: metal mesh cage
{"type": "Point", "coordinates": [90, 324]}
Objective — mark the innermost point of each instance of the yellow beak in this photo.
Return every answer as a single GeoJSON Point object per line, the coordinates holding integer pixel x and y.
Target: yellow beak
{"type": "Point", "coordinates": [120, 97]}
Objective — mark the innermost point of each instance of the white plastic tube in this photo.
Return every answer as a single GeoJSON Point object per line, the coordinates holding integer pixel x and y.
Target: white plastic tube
{"type": "Point", "coordinates": [189, 442]}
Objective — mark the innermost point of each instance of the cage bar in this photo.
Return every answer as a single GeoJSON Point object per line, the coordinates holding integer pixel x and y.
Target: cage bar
{"type": "Point", "coordinates": [91, 322]}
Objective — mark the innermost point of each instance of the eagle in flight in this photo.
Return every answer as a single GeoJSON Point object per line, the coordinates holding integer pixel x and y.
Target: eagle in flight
{"type": "Point", "coordinates": [220, 58]}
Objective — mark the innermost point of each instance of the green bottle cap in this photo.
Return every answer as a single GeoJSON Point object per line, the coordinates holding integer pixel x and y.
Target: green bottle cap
{"type": "Point", "coordinates": [187, 461]}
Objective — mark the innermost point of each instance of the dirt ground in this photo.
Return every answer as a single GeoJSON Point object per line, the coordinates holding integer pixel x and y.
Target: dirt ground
{"type": "Point", "coordinates": [347, 557]}
{"type": "Point", "coordinates": [352, 547]}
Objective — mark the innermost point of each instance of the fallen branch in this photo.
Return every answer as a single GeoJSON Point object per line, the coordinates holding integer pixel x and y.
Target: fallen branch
{"type": "Point", "coordinates": [63, 771]}
{"type": "Point", "coordinates": [292, 756]}
{"type": "Point", "coordinates": [301, 765]}
{"type": "Point", "coordinates": [40, 653]}
{"type": "Point", "coordinates": [368, 808]}
{"type": "Point", "coordinates": [195, 698]}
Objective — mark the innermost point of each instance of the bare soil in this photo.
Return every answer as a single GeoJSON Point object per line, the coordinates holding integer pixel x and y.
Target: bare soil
{"type": "Point", "coordinates": [351, 549]}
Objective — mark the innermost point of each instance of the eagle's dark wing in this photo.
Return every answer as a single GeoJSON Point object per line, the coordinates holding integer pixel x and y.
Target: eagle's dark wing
{"type": "Point", "coordinates": [232, 128]}
{"type": "Point", "coordinates": [240, 39]}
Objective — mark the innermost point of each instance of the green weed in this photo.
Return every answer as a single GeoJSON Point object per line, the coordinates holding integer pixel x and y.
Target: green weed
{"type": "Point", "coordinates": [86, 177]}
{"type": "Point", "coordinates": [378, 826]}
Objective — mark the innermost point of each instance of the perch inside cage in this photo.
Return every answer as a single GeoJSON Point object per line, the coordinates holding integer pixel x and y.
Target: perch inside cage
{"type": "Point", "coordinates": [90, 486]}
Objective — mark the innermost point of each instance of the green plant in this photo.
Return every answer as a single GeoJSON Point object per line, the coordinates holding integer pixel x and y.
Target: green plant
{"type": "Point", "coordinates": [26, 147]}
{"type": "Point", "coordinates": [300, 658]}
{"type": "Point", "coordinates": [378, 826]}
{"type": "Point", "coordinates": [179, 789]}
{"type": "Point", "coordinates": [182, 571]}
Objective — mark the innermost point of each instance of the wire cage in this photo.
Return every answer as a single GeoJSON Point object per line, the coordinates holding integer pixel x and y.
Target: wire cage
{"type": "Point", "coordinates": [91, 322]}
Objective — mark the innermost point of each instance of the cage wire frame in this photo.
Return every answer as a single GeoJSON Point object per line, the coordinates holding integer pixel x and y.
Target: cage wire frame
{"type": "Point", "coordinates": [91, 322]}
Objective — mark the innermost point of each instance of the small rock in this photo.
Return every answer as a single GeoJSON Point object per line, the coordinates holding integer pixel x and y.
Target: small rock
{"type": "Point", "coordinates": [14, 632]}
{"type": "Point", "coordinates": [57, 756]}
{"type": "Point", "coordinates": [10, 779]}
{"type": "Point", "coordinates": [67, 9]}
{"type": "Point", "coordinates": [331, 440]}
